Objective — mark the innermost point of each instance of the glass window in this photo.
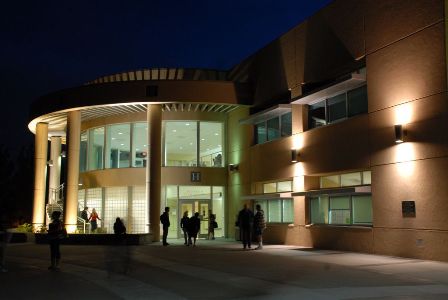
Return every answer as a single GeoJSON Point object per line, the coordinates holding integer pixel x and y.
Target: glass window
{"type": "Point", "coordinates": [284, 186]}
{"type": "Point", "coordinates": [286, 124]}
{"type": "Point", "coordinates": [339, 210]}
{"type": "Point", "coordinates": [273, 129]}
{"type": "Point", "coordinates": [288, 211]}
{"type": "Point", "coordinates": [181, 143]}
{"type": "Point", "coordinates": [83, 152]}
{"type": "Point", "coordinates": [269, 187]}
{"type": "Point", "coordinates": [140, 144]}
{"type": "Point", "coordinates": [218, 210]}
{"type": "Point", "coordinates": [330, 181]}
{"type": "Point", "coordinates": [351, 179]}
{"type": "Point", "coordinates": [275, 211]}
{"type": "Point", "coordinates": [316, 115]}
{"type": "Point", "coordinates": [96, 148]}
{"type": "Point", "coordinates": [94, 200]}
{"type": "Point", "coordinates": [336, 108]}
{"type": "Point", "coordinates": [194, 192]}
{"type": "Point", "coordinates": [319, 210]}
{"type": "Point", "coordinates": [260, 132]}
{"type": "Point", "coordinates": [366, 177]}
{"type": "Point", "coordinates": [362, 209]}
{"type": "Point", "coordinates": [211, 141]}
{"type": "Point", "coordinates": [116, 206]}
{"type": "Point", "coordinates": [357, 101]}
{"type": "Point", "coordinates": [139, 218]}
{"type": "Point", "coordinates": [118, 146]}
{"type": "Point", "coordinates": [264, 206]}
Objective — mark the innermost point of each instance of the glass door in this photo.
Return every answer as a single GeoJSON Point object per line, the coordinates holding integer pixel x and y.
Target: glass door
{"type": "Point", "coordinates": [193, 206]}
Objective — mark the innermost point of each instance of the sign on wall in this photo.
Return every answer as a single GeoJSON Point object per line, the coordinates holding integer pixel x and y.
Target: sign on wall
{"type": "Point", "coordinates": [195, 177]}
{"type": "Point", "coordinates": [408, 209]}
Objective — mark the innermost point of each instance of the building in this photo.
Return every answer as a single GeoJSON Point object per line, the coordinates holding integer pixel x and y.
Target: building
{"type": "Point", "coordinates": [338, 128]}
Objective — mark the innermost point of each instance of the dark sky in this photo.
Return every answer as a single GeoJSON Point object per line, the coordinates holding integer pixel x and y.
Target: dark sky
{"type": "Point", "coordinates": [51, 45]}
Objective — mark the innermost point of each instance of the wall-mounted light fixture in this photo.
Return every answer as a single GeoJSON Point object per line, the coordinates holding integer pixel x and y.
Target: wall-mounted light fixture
{"type": "Point", "coordinates": [400, 133]}
{"type": "Point", "coordinates": [63, 153]}
{"type": "Point", "coordinates": [233, 168]}
{"type": "Point", "coordinates": [295, 155]}
{"type": "Point", "coordinates": [50, 163]}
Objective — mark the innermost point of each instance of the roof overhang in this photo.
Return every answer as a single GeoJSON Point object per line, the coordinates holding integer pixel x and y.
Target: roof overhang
{"type": "Point", "coordinates": [344, 84]}
{"type": "Point", "coordinates": [267, 114]}
{"type": "Point", "coordinates": [366, 189]}
{"type": "Point", "coordinates": [267, 196]}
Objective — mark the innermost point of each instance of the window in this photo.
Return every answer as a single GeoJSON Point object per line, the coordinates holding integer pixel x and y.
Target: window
{"type": "Point", "coordinates": [346, 179]}
{"type": "Point", "coordinates": [338, 107]}
{"type": "Point", "coordinates": [277, 210]}
{"type": "Point", "coordinates": [181, 147]}
{"type": "Point", "coordinates": [277, 187]}
{"type": "Point", "coordinates": [273, 128]}
{"type": "Point", "coordinates": [83, 153]}
{"type": "Point", "coordinates": [341, 210]}
{"type": "Point", "coordinates": [96, 148]}
{"type": "Point", "coordinates": [118, 146]}
{"type": "Point", "coordinates": [184, 139]}
{"type": "Point", "coordinates": [140, 144]}
{"type": "Point", "coordinates": [211, 140]}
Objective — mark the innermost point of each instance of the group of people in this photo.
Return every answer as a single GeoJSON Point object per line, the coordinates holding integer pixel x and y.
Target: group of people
{"type": "Point", "coordinates": [250, 223]}
{"type": "Point", "coordinates": [93, 218]}
{"type": "Point", "coordinates": [190, 227]}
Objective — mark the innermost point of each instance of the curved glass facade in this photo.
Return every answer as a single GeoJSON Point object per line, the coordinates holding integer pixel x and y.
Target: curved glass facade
{"type": "Point", "coordinates": [125, 145]}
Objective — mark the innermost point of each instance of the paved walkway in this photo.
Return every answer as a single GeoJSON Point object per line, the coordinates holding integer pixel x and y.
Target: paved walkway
{"type": "Point", "coordinates": [217, 269]}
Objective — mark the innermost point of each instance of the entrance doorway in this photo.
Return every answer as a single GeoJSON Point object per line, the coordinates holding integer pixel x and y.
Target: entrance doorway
{"type": "Point", "coordinates": [192, 206]}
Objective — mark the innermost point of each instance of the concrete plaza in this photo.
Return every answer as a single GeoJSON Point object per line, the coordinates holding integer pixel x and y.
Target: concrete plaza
{"type": "Point", "coordinates": [218, 269]}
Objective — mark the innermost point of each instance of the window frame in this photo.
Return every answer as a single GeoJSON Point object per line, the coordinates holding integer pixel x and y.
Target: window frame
{"type": "Point", "coordinates": [265, 207]}
{"type": "Point", "coordinates": [266, 134]}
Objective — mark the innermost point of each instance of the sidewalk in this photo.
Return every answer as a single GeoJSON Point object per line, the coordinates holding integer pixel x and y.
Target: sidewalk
{"type": "Point", "coordinates": [218, 269]}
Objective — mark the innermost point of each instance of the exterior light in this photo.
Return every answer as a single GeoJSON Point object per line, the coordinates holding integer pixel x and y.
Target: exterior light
{"type": "Point", "coordinates": [399, 133]}
{"type": "Point", "coordinates": [63, 154]}
{"type": "Point", "coordinates": [294, 155]}
{"type": "Point", "coordinates": [50, 163]}
{"type": "Point", "coordinates": [233, 167]}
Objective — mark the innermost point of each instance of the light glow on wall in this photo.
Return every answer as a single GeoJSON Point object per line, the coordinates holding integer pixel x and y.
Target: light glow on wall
{"type": "Point", "coordinates": [403, 114]}
{"type": "Point", "coordinates": [405, 156]}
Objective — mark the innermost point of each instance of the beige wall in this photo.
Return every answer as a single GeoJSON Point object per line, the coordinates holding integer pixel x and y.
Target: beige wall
{"type": "Point", "coordinates": [403, 46]}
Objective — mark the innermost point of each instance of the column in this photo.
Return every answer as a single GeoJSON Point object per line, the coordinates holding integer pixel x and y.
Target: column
{"type": "Point", "coordinates": [55, 169]}
{"type": "Point", "coordinates": [153, 168]}
{"type": "Point", "coordinates": [73, 145]}
{"type": "Point", "coordinates": [40, 174]}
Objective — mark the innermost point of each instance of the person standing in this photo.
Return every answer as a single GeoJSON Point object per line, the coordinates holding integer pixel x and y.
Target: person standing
{"type": "Point", "coordinates": [4, 240]}
{"type": "Point", "coordinates": [165, 220]}
{"type": "Point", "coordinates": [184, 225]}
{"type": "Point", "coordinates": [94, 217]}
{"type": "Point", "coordinates": [259, 226]}
{"type": "Point", "coordinates": [211, 225]}
{"type": "Point", "coordinates": [119, 227]}
{"type": "Point", "coordinates": [194, 226]}
{"type": "Point", "coordinates": [245, 222]}
{"type": "Point", "coordinates": [85, 214]}
{"type": "Point", "coordinates": [56, 232]}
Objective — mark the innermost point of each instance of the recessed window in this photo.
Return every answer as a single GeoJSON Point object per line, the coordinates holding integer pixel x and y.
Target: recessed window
{"type": "Point", "coordinates": [346, 179]}
{"type": "Point", "coordinates": [273, 128]}
{"type": "Point", "coordinates": [341, 210]}
{"type": "Point", "coordinates": [277, 210]}
{"type": "Point", "coordinates": [338, 107]}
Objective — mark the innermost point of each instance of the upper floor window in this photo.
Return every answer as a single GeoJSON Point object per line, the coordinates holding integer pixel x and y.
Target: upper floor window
{"type": "Point", "coordinates": [193, 143]}
{"type": "Point", "coordinates": [346, 179]}
{"type": "Point", "coordinates": [273, 128]}
{"type": "Point", "coordinates": [339, 107]}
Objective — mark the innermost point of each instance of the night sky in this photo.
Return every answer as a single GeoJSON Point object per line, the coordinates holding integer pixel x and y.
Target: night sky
{"type": "Point", "coordinates": [51, 45]}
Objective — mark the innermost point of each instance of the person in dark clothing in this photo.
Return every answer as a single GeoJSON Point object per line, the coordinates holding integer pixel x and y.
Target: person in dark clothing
{"type": "Point", "coordinates": [165, 220]}
{"type": "Point", "coordinates": [85, 214]}
{"type": "Point", "coordinates": [245, 222]}
{"type": "Point", "coordinates": [56, 232]}
{"type": "Point", "coordinates": [119, 227]}
{"type": "Point", "coordinates": [184, 225]}
{"type": "Point", "coordinates": [194, 225]}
